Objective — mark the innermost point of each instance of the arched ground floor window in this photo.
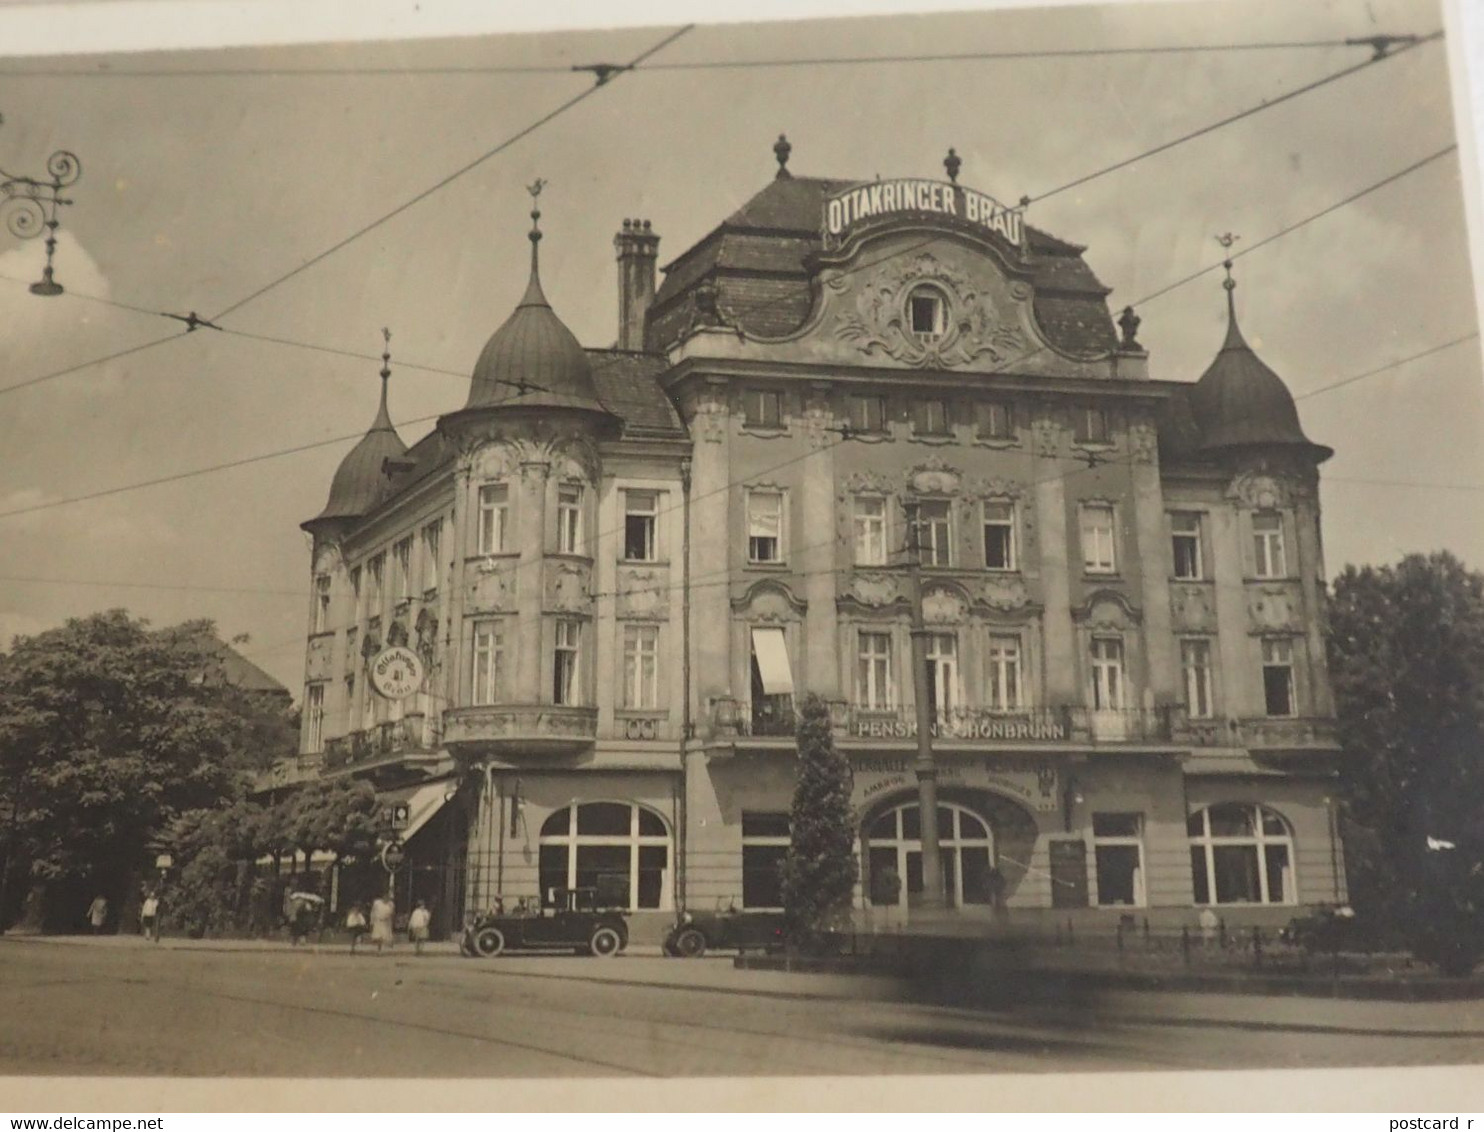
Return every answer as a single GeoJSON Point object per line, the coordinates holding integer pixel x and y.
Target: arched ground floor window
{"type": "Point", "coordinates": [965, 848]}
{"type": "Point", "coordinates": [620, 848]}
{"type": "Point", "coordinates": [1241, 853]}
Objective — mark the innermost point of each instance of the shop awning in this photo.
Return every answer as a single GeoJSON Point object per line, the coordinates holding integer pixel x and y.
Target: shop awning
{"type": "Point", "coordinates": [771, 654]}
{"type": "Point", "coordinates": [423, 802]}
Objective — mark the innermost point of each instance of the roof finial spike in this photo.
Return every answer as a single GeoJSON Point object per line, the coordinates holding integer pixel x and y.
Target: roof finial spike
{"type": "Point", "coordinates": [781, 150]}
{"type": "Point", "coordinates": [534, 295]}
{"type": "Point", "coordinates": [383, 417]}
{"type": "Point", "coordinates": [1233, 334]}
{"type": "Point", "coordinates": [386, 354]}
{"type": "Point", "coordinates": [952, 163]}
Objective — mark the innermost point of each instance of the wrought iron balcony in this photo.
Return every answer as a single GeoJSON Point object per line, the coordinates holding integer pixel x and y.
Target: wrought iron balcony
{"type": "Point", "coordinates": [392, 737]}
{"type": "Point", "coordinates": [520, 728]}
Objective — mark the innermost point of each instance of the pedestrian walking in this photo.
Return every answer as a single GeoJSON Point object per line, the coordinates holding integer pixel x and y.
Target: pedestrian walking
{"type": "Point", "coordinates": [355, 924]}
{"type": "Point", "coordinates": [417, 926]}
{"type": "Point", "coordinates": [149, 917]}
{"type": "Point", "coordinates": [98, 914]}
{"type": "Point", "coordinates": [382, 911]}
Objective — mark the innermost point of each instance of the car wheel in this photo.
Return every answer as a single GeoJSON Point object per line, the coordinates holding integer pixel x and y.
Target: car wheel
{"type": "Point", "coordinates": [489, 942]}
{"type": "Point", "coordinates": [690, 944]}
{"type": "Point", "coordinates": [604, 942]}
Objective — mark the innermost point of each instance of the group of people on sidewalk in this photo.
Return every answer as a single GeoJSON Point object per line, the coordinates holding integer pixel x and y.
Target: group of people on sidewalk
{"type": "Point", "coordinates": [380, 924]}
{"type": "Point", "coordinates": [149, 915]}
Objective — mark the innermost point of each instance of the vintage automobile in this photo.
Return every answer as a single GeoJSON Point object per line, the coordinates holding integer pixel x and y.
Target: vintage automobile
{"type": "Point", "coordinates": [695, 933]}
{"type": "Point", "coordinates": [571, 920]}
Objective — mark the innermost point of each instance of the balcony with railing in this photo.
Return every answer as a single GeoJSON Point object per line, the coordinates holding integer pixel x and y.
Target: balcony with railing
{"type": "Point", "coordinates": [392, 738]}
{"type": "Point", "coordinates": [552, 729]}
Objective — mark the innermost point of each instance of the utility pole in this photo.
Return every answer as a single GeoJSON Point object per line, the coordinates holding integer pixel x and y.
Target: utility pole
{"type": "Point", "coordinates": [926, 765]}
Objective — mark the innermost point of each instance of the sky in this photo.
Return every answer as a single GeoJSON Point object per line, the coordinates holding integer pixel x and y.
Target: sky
{"type": "Point", "coordinates": [197, 191]}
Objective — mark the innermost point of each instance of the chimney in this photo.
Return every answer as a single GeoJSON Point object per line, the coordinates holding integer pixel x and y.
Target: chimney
{"type": "Point", "coordinates": [637, 249]}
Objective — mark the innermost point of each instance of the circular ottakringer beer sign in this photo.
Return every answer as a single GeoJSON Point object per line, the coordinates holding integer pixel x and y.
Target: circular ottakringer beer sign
{"type": "Point", "coordinates": [396, 672]}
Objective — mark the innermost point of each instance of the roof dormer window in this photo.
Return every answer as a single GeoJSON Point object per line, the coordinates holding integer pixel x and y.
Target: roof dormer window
{"type": "Point", "coordinates": [927, 313]}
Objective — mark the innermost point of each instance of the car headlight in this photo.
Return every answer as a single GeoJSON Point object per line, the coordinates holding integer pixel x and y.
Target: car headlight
{"type": "Point", "coordinates": [685, 917]}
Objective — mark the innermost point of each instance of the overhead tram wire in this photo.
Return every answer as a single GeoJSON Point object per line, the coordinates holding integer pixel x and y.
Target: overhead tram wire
{"type": "Point", "coordinates": [1230, 119]}
{"type": "Point", "coordinates": [473, 71]}
{"type": "Point", "coordinates": [575, 100]}
{"type": "Point", "coordinates": [419, 420]}
{"type": "Point", "coordinates": [1330, 388]}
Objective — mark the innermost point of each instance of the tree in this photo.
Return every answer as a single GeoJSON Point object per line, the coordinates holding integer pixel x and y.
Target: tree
{"type": "Point", "coordinates": [1406, 653]}
{"type": "Point", "coordinates": [108, 730]}
{"type": "Point", "coordinates": [820, 870]}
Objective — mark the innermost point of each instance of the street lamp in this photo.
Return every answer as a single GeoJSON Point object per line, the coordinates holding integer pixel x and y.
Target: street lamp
{"type": "Point", "coordinates": [30, 207]}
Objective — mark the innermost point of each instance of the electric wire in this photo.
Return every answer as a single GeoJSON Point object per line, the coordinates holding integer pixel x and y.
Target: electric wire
{"type": "Point", "coordinates": [443, 182]}
{"type": "Point", "coordinates": [1266, 104]}
{"type": "Point", "coordinates": [696, 65]}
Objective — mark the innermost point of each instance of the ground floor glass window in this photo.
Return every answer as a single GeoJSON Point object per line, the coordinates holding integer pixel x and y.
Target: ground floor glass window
{"type": "Point", "coordinates": [764, 847]}
{"type": "Point", "coordinates": [1241, 853]}
{"type": "Point", "coordinates": [620, 848]}
{"type": "Point", "coordinates": [965, 847]}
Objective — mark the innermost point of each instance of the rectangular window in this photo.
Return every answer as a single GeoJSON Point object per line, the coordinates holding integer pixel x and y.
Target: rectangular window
{"type": "Point", "coordinates": [569, 520]}
{"type": "Point", "coordinates": [1090, 426]}
{"type": "Point", "coordinates": [765, 526]}
{"type": "Point", "coordinates": [565, 688]}
{"type": "Point", "coordinates": [999, 536]}
{"type": "Point", "coordinates": [870, 530]}
{"type": "Point", "coordinates": [1003, 671]}
{"type": "Point", "coordinates": [772, 683]}
{"type": "Point", "coordinates": [762, 408]}
{"type": "Point", "coordinates": [866, 413]}
{"type": "Point", "coordinates": [641, 651]}
{"type": "Point", "coordinates": [942, 666]}
{"type": "Point", "coordinates": [994, 421]}
{"type": "Point", "coordinates": [873, 676]}
{"type": "Point", "coordinates": [489, 660]}
{"type": "Point", "coordinates": [765, 838]}
{"type": "Point", "coordinates": [1185, 533]}
{"type": "Point", "coordinates": [355, 596]}
{"type": "Point", "coordinates": [402, 565]}
{"type": "Point", "coordinates": [432, 538]}
{"type": "Point", "coordinates": [1118, 849]}
{"type": "Point", "coordinates": [350, 702]}
{"type": "Point", "coordinates": [1195, 664]}
{"type": "Point", "coordinates": [494, 518]}
{"type": "Point", "coordinates": [1097, 539]}
{"type": "Point", "coordinates": [321, 604]}
{"type": "Point", "coordinates": [1107, 674]}
{"type": "Point", "coordinates": [375, 570]}
{"type": "Point", "coordinates": [640, 511]}
{"type": "Point", "coordinates": [933, 531]}
{"type": "Point", "coordinates": [930, 417]}
{"type": "Point", "coordinates": [1277, 677]}
{"type": "Point", "coordinates": [314, 718]}
{"type": "Point", "coordinates": [1267, 544]}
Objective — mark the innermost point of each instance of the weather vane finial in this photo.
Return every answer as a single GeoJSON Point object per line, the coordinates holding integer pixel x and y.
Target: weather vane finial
{"type": "Point", "coordinates": [386, 353]}
{"type": "Point", "coordinates": [1226, 240]}
{"type": "Point", "coordinates": [534, 188]}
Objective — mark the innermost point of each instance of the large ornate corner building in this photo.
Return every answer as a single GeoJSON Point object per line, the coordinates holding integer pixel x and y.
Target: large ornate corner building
{"type": "Point", "coordinates": [621, 567]}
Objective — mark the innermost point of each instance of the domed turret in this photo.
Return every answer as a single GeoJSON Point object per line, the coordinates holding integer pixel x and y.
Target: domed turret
{"type": "Point", "coordinates": [1239, 402]}
{"type": "Point", "coordinates": [533, 360]}
{"type": "Point", "coordinates": [361, 478]}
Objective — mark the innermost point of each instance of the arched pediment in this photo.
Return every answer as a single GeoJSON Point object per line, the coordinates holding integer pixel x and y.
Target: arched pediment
{"type": "Point", "coordinates": [1107, 609]}
{"type": "Point", "coordinates": [945, 603]}
{"type": "Point", "coordinates": [769, 600]}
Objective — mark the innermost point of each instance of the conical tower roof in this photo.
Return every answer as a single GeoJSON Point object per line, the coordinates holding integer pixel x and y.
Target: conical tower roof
{"type": "Point", "coordinates": [361, 479]}
{"type": "Point", "coordinates": [533, 360]}
{"type": "Point", "coordinates": [1240, 402]}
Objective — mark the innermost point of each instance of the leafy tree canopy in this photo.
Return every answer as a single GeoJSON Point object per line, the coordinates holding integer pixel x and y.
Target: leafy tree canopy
{"type": "Point", "coordinates": [108, 730]}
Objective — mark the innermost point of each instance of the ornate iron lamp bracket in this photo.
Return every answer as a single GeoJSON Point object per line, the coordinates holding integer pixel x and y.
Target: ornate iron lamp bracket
{"type": "Point", "coordinates": [29, 206]}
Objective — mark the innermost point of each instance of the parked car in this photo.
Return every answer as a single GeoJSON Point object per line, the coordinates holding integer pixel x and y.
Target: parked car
{"type": "Point", "coordinates": [572, 921]}
{"type": "Point", "coordinates": [696, 933]}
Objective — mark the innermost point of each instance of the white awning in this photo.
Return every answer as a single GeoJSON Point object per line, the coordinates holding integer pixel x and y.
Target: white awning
{"type": "Point", "coordinates": [771, 654]}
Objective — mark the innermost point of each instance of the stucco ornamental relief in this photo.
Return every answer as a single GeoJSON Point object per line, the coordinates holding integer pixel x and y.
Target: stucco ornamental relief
{"type": "Point", "coordinates": [327, 558]}
{"type": "Point", "coordinates": [943, 607]}
{"type": "Point", "coordinates": [1143, 442]}
{"type": "Point", "coordinates": [1191, 607]}
{"type": "Point", "coordinates": [317, 664]}
{"type": "Point", "coordinates": [708, 415]}
{"type": "Point", "coordinates": [1262, 491]}
{"type": "Point", "coordinates": [769, 603]}
{"type": "Point", "coordinates": [566, 586]}
{"type": "Point", "coordinates": [489, 588]}
{"type": "Point", "coordinates": [643, 593]}
{"type": "Point", "coordinates": [934, 477]}
{"type": "Point", "coordinates": [994, 487]}
{"type": "Point", "coordinates": [1107, 611]}
{"type": "Point", "coordinates": [1046, 435]}
{"type": "Point", "coordinates": [1005, 593]}
{"type": "Point", "coordinates": [874, 589]}
{"type": "Point", "coordinates": [877, 320]}
{"type": "Point", "coordinates": [575, 460]}
{"type": "Point", "coordinates": [1272, 608]}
